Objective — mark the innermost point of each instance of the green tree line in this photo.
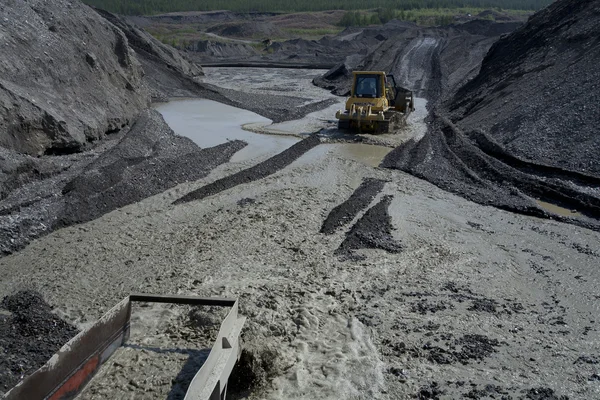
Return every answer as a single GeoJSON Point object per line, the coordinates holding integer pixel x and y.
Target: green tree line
{"type": "Point", "coordinates": [149, 7]}
{"type": "Point", "coordinates": [423, 16]}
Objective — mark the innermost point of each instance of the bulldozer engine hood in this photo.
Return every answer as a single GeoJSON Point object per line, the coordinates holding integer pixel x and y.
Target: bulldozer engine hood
{"type": "Point", "coordinates": [377, 104]}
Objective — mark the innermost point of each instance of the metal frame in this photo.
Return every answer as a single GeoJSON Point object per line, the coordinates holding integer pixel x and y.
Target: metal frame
{"type": "Point", "coordinates": [72, 367]}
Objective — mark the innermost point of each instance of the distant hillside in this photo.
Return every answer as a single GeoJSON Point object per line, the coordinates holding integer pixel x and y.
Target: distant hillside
{"type": "Point", "coordinates": [147, 7]}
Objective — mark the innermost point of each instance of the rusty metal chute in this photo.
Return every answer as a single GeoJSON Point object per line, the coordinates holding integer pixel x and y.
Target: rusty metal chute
{"type": "Point", "coordinates": [68, 371]}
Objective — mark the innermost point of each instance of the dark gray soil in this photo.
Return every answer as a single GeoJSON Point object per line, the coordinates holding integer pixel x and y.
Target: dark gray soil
{"type": "Point", "coordinates": [348, 210]}
{"type": "Point", "coordinates": [167, 72]}
{"type": "Point", "coordinates": [29, 335]}
{"type": "Point", "coordinates": [146, 161]}
{"type": "Point", "coordinates": [259, 171]}
{"type": "Point", "coordinates": [446, 157]}
{"type": "Point", "coordinates": [372, 231]}
{"type": "Point", "coordinates": [68, 77]}
{"type": "Point", "coordinates": [525, 127]}
{"type": "Point", "coordinates": [149, 160]}
{"type": "Point", "coordinates": [80, 177]}
{"type": "Point", "coordinates": [542, 84]}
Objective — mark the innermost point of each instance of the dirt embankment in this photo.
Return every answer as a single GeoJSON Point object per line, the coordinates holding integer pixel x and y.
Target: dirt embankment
{"type": "Point", "coordinates": [68, 77]}
{"type": "Point", "coordinates": [149, 159]}
{"type": "Point", "coordinates": [166, 72]}
{"type": "Point", "coordinates": [429, 61]}
{"type": "Point", "coordinates": [543, 84]}
{"type": "Point", "coordinates": [525, 127]}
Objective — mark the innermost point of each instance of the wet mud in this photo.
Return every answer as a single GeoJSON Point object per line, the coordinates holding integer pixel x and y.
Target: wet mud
{"type": "Point", "coordinates": [451, 160]}
{"type": "Point", "coordinates": [139, 167]}
{"type": "Point", "coordinates": [209, 123]}
{"type": "Point", "coordinates": [464, 301]}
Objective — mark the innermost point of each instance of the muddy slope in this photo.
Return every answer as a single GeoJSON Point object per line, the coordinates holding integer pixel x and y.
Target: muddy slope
{"type": "Point", "coordinates": [167, 72]}
{"type": "Point", "coordinates": [101, 87]}
{"type": "Point", "coordinates": [67, 77]}
{"type": "Point", "coordinates": [525, 127]}
{"type": "Point", "coordinates": [428, 61]}
{"type": "Point", "coordinates": [538, 92]}
{"type": "Point", "coordinates": [148, 160]}
{"type": "Point", "coordinates": [70, 77]}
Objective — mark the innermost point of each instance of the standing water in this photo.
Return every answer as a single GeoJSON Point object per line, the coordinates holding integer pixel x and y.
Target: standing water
{"type": "Point", "coordinates": [209, 123]}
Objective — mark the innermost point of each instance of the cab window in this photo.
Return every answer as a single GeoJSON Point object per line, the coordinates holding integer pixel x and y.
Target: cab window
{"type": "Point", "coordinates": [366, 86]}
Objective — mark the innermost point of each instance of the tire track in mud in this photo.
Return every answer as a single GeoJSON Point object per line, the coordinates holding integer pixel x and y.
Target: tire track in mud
{"type": "Point", "coordinates": [416, 67]}
{"type": "Point", "coordinates": [348, 210]}
{"type": "Point", "coordinates": [259, 171]}
{"type": "Point", "coordinates": [372, 231]}
{"type": "Point", "coordinates": [473, 166]}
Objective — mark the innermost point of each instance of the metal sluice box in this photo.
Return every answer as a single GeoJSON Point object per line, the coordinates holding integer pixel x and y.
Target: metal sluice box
{"type": "Point", "coordinates": [72, 367]}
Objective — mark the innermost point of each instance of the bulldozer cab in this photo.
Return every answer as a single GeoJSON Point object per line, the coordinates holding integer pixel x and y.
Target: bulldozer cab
{"type": "Point", "coordinates": [368, 85]}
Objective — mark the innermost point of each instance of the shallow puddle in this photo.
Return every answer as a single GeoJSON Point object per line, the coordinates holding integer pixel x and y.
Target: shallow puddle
{"type": "Point", "coordinates": [210, 123]}
{"type": "Point", "coordinates": [553, 208]}
{"type": "Point", "coordinates": [367, 154]}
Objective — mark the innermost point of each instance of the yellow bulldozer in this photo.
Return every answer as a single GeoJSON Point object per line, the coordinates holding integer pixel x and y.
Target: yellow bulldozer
{"type": "Point", "coordinates": [376, 104]}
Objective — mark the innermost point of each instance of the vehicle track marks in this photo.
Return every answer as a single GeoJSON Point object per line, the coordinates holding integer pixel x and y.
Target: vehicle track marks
{"type": "Point", "coordinates": [348, 210]}
{"type": "Point", "coordinates": [372, 231]}
{"type": "Point", "coordinates": [259, 171]}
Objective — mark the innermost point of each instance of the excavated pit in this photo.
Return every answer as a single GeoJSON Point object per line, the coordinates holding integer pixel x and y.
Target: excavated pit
{"type": "Point", "coordinates": [388, 325]}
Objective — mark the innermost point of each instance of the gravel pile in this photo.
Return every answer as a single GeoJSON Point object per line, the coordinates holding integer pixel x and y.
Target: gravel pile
{"type": "Point", "coordinates": [29, 335]}
{"type": "Point", "coordinates": [149, 159]}
{"type": "Point", "coordinates": [359, 200]}
{"type": "Point", "coordinates": [372, 231]}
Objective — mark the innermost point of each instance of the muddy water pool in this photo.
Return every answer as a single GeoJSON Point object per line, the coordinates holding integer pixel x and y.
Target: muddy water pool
{"type": "Point", "coordinates": [209, 123]}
